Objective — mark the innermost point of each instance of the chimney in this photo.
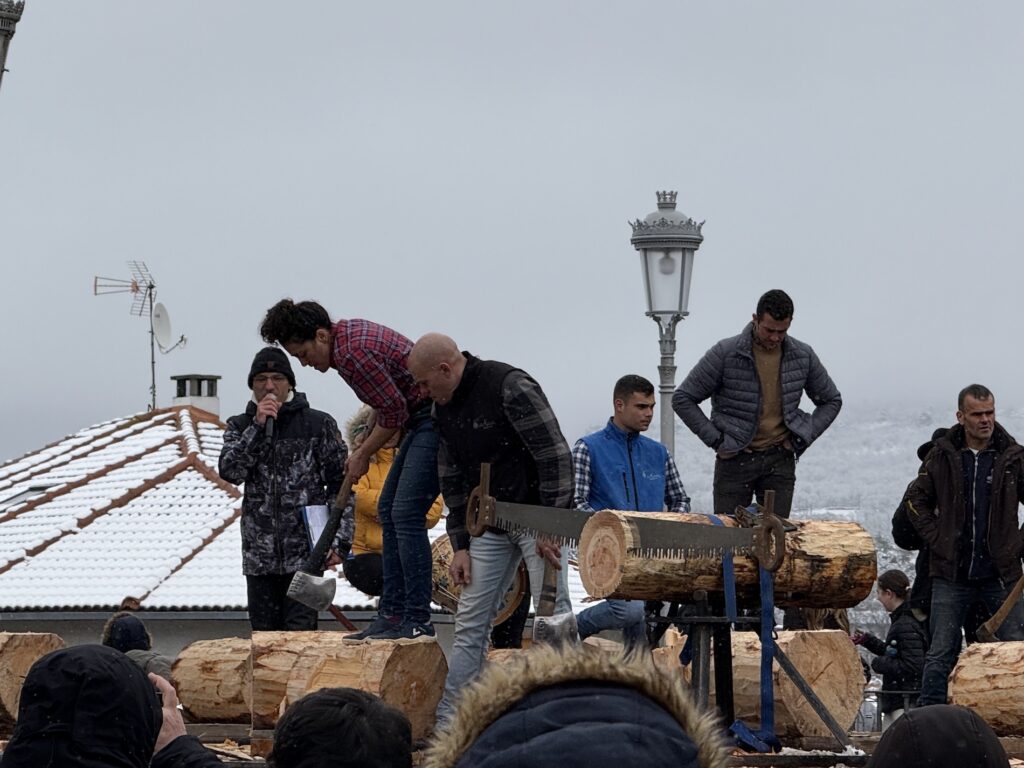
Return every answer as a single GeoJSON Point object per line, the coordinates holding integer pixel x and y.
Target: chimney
{"type": "Point", "coordinates": [198, 390]}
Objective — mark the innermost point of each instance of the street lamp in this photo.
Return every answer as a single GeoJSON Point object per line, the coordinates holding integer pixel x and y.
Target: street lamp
{"type": "Point", "coordinates": [667, 240]}
{"type": "Point", "coordinates": [10, 15]}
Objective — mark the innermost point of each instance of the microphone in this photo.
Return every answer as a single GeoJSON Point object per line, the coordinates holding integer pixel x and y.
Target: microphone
{"type": "Point", "coordinates": [268, 427]}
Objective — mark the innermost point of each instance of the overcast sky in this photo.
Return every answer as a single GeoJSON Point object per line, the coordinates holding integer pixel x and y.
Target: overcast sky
{"type": "Point", "coordinates": [470, 169]}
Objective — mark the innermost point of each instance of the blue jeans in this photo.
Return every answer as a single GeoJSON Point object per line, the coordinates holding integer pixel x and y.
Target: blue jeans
{"type": "Point", "coordinates": [950, 601]}
{"type": "Point", "coordinates": [494, 558]}
{"type": "Point", "coordinates": [627, 615]}
{"type": "Point", "coordinates": [409, 491]}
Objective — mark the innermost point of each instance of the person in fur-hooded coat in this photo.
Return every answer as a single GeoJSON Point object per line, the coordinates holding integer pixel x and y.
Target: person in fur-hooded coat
{"type": "Point", "coordinates": [577, 706]}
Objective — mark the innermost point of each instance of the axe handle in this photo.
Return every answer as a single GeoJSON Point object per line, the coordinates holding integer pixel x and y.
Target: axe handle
{"type": "Point", "coordinates": [990, 627]}
{"type": "Point", "coordinates": [315, 562]}
{"type": "Point", "coordinates": [546, 604]}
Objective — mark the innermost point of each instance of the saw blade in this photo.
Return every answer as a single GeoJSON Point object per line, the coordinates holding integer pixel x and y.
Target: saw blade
{"type": "Point", "coordinates": [673, 538]}
{"type": "Point", "coordinates": [563, 526]}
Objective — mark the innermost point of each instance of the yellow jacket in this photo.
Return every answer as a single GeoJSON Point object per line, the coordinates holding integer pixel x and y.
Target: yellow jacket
{"type": "Point", "coordinates": [368, 538]}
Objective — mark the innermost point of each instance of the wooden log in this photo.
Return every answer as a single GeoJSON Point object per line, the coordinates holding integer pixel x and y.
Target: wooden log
{"type": "Point", "coordinates": [987, 678]}
{"type": "Point", "coordinates": [828, 564]}
{"type": "Point", "coordinates": [18, 652]}
{"type": "Point", "coordinates": [827, 660]}
{"type": "Point", "coordinates": [409, 676]}
{"type": "Point", "coordinates": [273, 656]}
{"type": "Point", "coordinates": [213, 679]}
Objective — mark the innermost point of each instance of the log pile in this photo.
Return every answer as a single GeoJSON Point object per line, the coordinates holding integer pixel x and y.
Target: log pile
{"type": "Point", "coordinates": [987, 678]}
{"type": "Point", "coordinates": [213, 679]}
{"type": "Point", "coordinates": [828, 564]}
{"type": "Point", "coordinates": [826, 659]}
{"type": "Point", "coordinates": [287, 665]}
{"type": "Point", "coordinates": [18, 652]}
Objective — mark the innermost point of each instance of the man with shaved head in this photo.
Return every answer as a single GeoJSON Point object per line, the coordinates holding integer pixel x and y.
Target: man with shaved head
{"type": "Point", "coordinates": [486, 411]}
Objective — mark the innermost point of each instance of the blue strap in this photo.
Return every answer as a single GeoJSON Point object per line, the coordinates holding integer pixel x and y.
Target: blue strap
{"type": "Point", "coordinates": [728, 578]}
{"type": "Point", "coordinates": [764, 739]}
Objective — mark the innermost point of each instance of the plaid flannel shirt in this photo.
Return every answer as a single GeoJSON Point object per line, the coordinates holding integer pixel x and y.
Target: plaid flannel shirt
{"type": "Point", "coordinates": [371, 358]}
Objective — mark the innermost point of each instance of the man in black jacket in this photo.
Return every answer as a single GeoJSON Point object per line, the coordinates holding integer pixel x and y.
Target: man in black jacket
{"type": "Point", "coordinates": [964, 505]}
{"type": "Point", "coordinates": [289, 457]}
{"type": "Point", "coordinates": [486, 411]}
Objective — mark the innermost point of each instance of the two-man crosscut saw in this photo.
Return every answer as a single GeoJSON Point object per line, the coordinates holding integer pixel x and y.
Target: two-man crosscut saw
{"type": "Point", "coordinates": [653, 537]}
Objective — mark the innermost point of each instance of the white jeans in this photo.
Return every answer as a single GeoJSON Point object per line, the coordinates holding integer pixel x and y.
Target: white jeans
{"type": "Point", "coordinates": [494, 558]}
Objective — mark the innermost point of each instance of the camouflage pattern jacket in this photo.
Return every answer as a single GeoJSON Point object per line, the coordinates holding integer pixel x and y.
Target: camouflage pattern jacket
{"type": "Point", "coordinates": [300, 465]}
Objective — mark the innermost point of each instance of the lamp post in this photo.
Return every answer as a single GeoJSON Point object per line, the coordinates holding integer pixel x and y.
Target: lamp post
{"type": "Point", "coordinates": [667, 240]}
{"type": "Point", "coordinates": [10, 14]}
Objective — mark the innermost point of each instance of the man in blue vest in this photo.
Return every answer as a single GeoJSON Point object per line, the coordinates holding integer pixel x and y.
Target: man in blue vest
{"type": "Point", "coordinates": [618, 468]}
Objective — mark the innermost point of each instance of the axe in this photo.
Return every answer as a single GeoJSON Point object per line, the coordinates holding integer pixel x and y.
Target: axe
{"type": "Point", "coordinates": [987, 631]}
{"type": "Point", "coordinates": [309, 586]}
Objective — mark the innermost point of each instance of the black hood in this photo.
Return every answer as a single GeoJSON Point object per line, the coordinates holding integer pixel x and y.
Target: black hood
{"type": "Point", "coordinates": [85, 707]}
{"type": "Point", "coordinates": [939, 736]}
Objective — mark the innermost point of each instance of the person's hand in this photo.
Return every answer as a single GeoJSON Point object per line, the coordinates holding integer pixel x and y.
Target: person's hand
{"type": "Point", "coordinates": [460, 567]}
{"type": "Point", "coordinates": [357, 465]}
{"type": "Point", "coordinates": [859, 638]}
{"type": "Point", "coordinates": [550, 552]}
{"type": "Point", "coordinates": [173, 725]}
{"type": "Point", "coordinates": [267, 408]}
{"type": "Point", "coordinates": [333, 560]}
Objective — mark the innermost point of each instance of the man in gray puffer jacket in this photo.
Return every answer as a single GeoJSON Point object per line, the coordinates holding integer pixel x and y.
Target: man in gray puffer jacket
{"type": "Point", "coordinates": [755, 381]}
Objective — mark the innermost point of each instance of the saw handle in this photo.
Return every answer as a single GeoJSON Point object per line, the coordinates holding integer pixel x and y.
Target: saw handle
{"type": "Point", "coordinates": [480, 507]}
{"type": "Point", "coordinates": [314, 564]}
{"type": "Point", "coordinates": [770, 537]}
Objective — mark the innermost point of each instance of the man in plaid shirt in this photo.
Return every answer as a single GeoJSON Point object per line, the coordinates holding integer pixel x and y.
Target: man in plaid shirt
{"type": "Point", "coordinates": [371, 358]}
{"type": "Point", "coordinates": [487, 411]}
{"type": "Point", "coordinates": [618, 468]}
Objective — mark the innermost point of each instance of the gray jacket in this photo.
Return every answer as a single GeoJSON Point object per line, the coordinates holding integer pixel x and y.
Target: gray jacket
{"type": "Point", "coordinates": [728, 376]}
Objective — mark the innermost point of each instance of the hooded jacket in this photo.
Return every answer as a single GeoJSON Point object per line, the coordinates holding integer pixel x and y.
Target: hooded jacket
{"type": "Point", "coordinates": [938, 509]}
{"type": "Point", "coordinates": [728, 375]}
{"type": "Point", "coordinates": [85, 707]}
{"type": "Point", "coordinates": [939, 736]}
{"type": "Point", "coordinates": [578, 707]}
{"type": "Point", "coordinates": [91, 707]}
{"type": "Point", "coordinates": [299, 466]}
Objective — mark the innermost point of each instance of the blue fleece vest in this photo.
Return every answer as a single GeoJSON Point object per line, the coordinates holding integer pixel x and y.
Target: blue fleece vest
{"type": "Point", "coordinates": [627, 470]}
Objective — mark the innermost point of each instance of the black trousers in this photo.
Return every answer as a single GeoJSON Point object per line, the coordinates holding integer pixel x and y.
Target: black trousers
{"type": "Point", "coordinates": [746, 476]}
{"type": "Point", "coordinates": [270, 608]}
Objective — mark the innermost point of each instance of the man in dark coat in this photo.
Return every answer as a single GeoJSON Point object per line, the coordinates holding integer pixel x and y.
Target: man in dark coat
{"type": "Point", "coordinates": [92, 707]}
{"type": "Point", "coordinates": [289, 456]}
{"type": "Point", "coordinates": [964, 505]}
{"type": "Point", "coordinates": [572, 708]}
{"type": "Point", "coordinates": [488, 411]}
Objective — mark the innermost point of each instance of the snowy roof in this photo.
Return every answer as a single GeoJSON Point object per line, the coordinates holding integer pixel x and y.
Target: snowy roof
{"type": "Point", "coordinates": [133, 512]}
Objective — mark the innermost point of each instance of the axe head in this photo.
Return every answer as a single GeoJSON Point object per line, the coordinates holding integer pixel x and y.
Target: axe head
{"type": "Point", "coordinates": [312, 591]}
{"type": "Point", "coordinates": [985, 635]}
{"type": "Point", "coordinates": [556, 630]}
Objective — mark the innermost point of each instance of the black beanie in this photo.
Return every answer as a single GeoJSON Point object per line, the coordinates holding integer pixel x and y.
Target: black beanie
{"type": "Point", "coordinates": [271, 360]}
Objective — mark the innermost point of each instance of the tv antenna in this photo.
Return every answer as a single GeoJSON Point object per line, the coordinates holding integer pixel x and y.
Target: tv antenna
{"type": "Point", "coordinates": [142, 287]}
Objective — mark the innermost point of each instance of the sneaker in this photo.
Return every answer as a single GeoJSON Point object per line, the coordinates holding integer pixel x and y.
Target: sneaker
{"type": "Point", "coordinates": [407, 630]}
{"type": "Point", "coordinates": [378, 625]}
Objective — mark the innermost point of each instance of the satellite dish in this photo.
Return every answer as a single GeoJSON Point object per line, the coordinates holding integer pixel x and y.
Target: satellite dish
{"type": "Point", "coordinates": [161, 325]}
